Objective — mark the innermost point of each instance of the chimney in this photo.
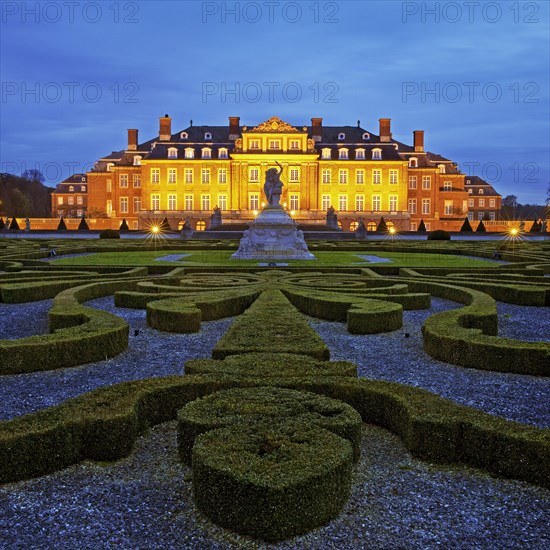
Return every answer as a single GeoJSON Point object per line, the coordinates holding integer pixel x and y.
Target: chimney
{"type": "Point", "coordinates": [385, 133]}
{"type": "Point", "coordinates": [165, 131]}
{"type": "Point", "coordinates": [418, 141]}
{"type": "Point", "coordinates": [132, 139]}
{"type": "Point", "coordinates": [317, 129]}
{"type": "Point", "coordinates": [234, 122]}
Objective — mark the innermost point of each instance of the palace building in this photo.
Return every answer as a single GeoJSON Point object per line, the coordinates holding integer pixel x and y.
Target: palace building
{"type": "Point", "coordinates": [363, 175]}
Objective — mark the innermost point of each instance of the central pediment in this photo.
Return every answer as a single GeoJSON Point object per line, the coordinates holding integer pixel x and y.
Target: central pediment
{"type": "Point", "coordinates": [275, 125]}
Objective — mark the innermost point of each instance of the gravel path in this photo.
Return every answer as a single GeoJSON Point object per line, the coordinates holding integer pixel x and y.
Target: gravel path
{"type": "Point", "coordinates": [151, 353]}
{"type": "Point", "coordinates": [391, 356]}
{"type": "Point", "coordinates": [22, 320]}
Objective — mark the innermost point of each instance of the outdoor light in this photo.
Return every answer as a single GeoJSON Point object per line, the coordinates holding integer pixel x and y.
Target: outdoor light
{"type": "Point", "coordinates": [155, 229]}
{"type": "Point", "coordinates": [392, 230]}
{"type": "Point", "coordinates": [292, 212]}
{"type": "Point", "coordinates": [514, 231]}
{"type": "Point", "coordinates": [255, 212]}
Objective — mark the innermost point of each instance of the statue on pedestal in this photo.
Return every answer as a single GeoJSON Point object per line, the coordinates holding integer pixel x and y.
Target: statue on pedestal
{"type": "Point", "coordinates": [332, 218]}
{"type": "Point", "coordinates": [216, 218]}
{"type": "Point", "coordinates": [273, 186]}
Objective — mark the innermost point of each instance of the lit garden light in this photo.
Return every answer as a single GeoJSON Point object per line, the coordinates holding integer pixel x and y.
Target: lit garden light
{"type": "Point", "coordinates": [514, 234]}
{"type": "Point", "coordinates": [155, 232]}
{"type": "Point", "coordinates": [392, 233]}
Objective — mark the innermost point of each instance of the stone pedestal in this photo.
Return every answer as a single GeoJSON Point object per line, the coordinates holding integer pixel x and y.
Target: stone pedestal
{"type": "Point", "coordinates": [273, 235]}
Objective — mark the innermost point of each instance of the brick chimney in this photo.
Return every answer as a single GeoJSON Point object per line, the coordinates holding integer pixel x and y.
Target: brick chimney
{"type": "Point", "coordinates": [317, 129]}
{"type": "Point", "coordinates": [132, 139]}
{"type": "Point", "coordinates": [234, 122]}
{"type": "Point", "coordinates": [165, 131]}
{"type": "Point", "coordinates": [418, 141]}
{"type": "Point", "coordinates": [385, 132]}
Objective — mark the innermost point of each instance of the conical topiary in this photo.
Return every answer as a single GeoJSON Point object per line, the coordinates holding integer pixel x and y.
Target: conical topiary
{"type": "Point", "coordinates": [481, 227]}
{"type": "Point", "coordinates": [466, 226]}
{"type": "Point", "coordinates": [535, 228]}
{"type": "Point", "coordinates": [62, 226]}
{"type": "Point", "coordinates": [14, 226]}
{"type": "Point", "coordinates": [422, 226]}
{"type": "Point", "coordinates": [382, 225]}
{"type": "Point", "coordinates": [2, 224]}
{"type": "Point", "coordinates": [83, 225]}
{"type": "Point", "coordinates": [165, 226]}
{"type": "Point", "coordinates": [124, 225]}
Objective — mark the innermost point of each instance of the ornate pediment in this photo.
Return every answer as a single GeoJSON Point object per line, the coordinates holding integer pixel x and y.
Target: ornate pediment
{"type": "Point", "coordinates": [274, 125]}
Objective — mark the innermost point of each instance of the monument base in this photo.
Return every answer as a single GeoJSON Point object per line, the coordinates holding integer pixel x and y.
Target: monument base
{"type": "Point", "coordinates": [273, 235]}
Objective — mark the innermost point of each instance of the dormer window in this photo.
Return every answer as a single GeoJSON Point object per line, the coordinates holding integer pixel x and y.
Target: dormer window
{"type": "Point", "coordinates": [441, 168]}
{"type": "Point", "coordinates": [222, 153]}
{"type": "Point", "coordinates": [480, 192]}
{"type": "Point", "coordinates": [326, 153]}
{"type": "Point", "coordinates": [71, 188]}
{"type": "Point", "coordinates": [207, 153]}
{"type": "Point", "coordinates": [468, 181]}
{"type": "Point", "coordinates": [366, 136]}
{"type": "Point", "coordinates": [341, 136]}
{"type": "Point", "coordinates": [83, 188]}
{"type": "Point", "coordinates": [189, 153]}
{"type": "Point", "coordinates": [110, 166]}
{"type": "Point", "coordinates": [413, 163]}
{"type": "Point", "coordinates": [83, 179]}
{"type": "Point", "coordinates": [207, 135]}
{"type": "Point", "coordinates": [343, 154]}
{"type": "Point", "coordinates": [172, 153]}
{"type": "Point", "coordinates": [377, 154]}
{"type": "Point", "coordinates": [254, 144]}
{"type": "Point", "coordinates": [137, 160]}
{"type": "Point", "coordinates": [360, 154]}
{"type": "Point", "coordinates": [184, 135]}
{"type": "Point", "coordinates": [294, 145]}
{"type": "Point", "coordinates": [470, 191]}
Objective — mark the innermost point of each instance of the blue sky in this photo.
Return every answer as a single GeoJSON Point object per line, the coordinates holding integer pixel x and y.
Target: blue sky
{"type": "Point", "coordinates": [473, 75]}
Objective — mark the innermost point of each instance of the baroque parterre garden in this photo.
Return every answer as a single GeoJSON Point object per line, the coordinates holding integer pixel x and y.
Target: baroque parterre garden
{"type": "Point", "coordinates": [271, 416]}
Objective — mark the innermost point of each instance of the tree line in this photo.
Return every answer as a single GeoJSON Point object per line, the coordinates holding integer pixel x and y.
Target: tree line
{"type": "Point", "coordinates": [25, 196]}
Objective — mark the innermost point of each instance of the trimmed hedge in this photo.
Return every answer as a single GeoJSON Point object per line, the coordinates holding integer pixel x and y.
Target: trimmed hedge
{"type": "Point", "coordinates": [242, 407]}
{"type": "Point", "coordinates": [271, 482]}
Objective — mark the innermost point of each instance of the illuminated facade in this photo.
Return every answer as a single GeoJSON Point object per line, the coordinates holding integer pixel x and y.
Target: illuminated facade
{"type": "Point", "coordinates": [361, 174]}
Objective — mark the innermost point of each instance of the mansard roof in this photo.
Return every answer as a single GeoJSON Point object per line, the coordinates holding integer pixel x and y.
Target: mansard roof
{"type": "Point", "coordinates": [476, 184]}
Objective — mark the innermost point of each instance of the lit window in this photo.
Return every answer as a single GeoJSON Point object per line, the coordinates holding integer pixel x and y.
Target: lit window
{"type": "Point", "coordinates": [222, 153]}
{"type": "Point", "coordinates": [448, 208]}
{"type": "Point", "coordinates": [188, 202]}
{"type": "Point", "coordinates": [222, 177]}
{"type": "Point", "coordinates": [359, 177]}
{"type": "Point", "coordinates": [492, 203]}
{"type": "Point", "coordinates": [426, 182]}
{"type": "Point", "coordinates": [222, 202]}
{"type": "Point", "coordinates": [70, 200]}
{"type": "Point", "coordinates": [155, 175]}
{"type": "Point", "coordinates": [326, 175]}
{"type": "Point", "coordinates": [201, 225]}
{"type": "Point", "coordinates": [481, 202]}
{"type": "Point", "coordinates": [294, 176]}
{"type": "Point", "coordinates": [79, 213]}
{"type": "Point", "coordinates": [376, 203]}
{"type": "Point", "coordinates": [425, 206]}
{"type": "Point", "coordinates": [471, 203]}
{"type": "Point", "coordinates": [470, 191]}
{"type": "Point", "coordinates": [110, 166]}
{"type": "Point", "coordinates": [79, 199]}
{"type": "Point", "coordinates": [480, 192]}
{"type": "Point", "coordinates": [205, 176]}
{"type": "Point", "coordinates": [326, 153]}
{"type": "Point", "coordinates": [172, 202]}
{"type": "Point", "coordinates": [325, 202]}
{"type": "Point", "coordinates": [189, 153]}
{"type": "Point", "coordinates": [109, 186]}
{"type": "Point", "coordinates": [172, 175]}
{"type": "Point", "coordinates": [59, 200]}
{"type": "Point", "coordinates": [189, 175]}
{"type": "Point", "coordinates": [123, 180]}
{"type": "Point", "coordinates": [294, 202]}
{"type": "Point", "coordinates": [137, 204]}
{"type": "Point", "coordinates": [124, 205]}
{"type": "Point", "coordinates": [353, 226]}
{"type": "Point", "coordinates": [205, 202]}
{"type": "Point", "coordinates": [377, 154]}
{"type": "Point", "coordinates": [83, 188]}
{"type": "Point", "coordinates": [275, 144]}
{"type": "Point", "coordinates": [254, 201]}
{"type": "Point", "coordinates": [294, 144]}
{"type": "Point", "coordinates": [343, 203]}
{"type": "Point", "coordinates": [412, 182]}
{"type": "Point", "coordinates": [359, 203]}
{"type": "Point", "coordinates": [343, 176]}
{"type": "Point", "coordinates": [441, 168]}
{"type": "Point", "coordinates": [393, 203]}
{"type": "Point", "coordinates": [172, 153]}
{"type": "Point", "coordinates": [136, 179]}
{"type": "Point", "coordinates": [447, 186]}
{"type": "Point", "coordinates": [376, 176]}
{"type": "Point", "coordinates": [360, 154]}
{"type": "Point", "coordinates": [254, 175]}
{"type": "Point", "coordinates": [155, 202]}
{"type": "Point", "coordinates": [254, 144]}
{"type": "Point", "coordinates": [393, 176]}
{"type": "Point", "coordinates": [412, 206]}
{"type": "Point", "coordinates": [109, 207]}
{"type": "Point", "coordinates": [343, 154]}
{"type": "Point", "coordinates": [71, 188]}
{"type": "Point", "coordinates": [206, 153]}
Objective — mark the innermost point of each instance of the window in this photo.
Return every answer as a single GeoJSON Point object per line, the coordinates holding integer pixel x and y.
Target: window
{"type": "Point", "coordinates": [294, 144]}
{"type": "Point", "coordinates": [71, 188]}
{"type": "Point", "coordinates": [326, 153]}
{"type": "Point", "coordinates": [294, 202]}
{"type": "Point", "coordinates": [376, 176]}
{"type": "Point", "coordinates": [172, 202]}
{"type": "Point", "coordinates": [412, 206]}
{"type": "Point", "coordinates": [492, 216]}
{"type": "Point", "coordinates": [155, 202]}
{"type": "Point", "coordinates": [471, 216]}
{"type": "Point", "coordinates": [188, 202]}
{"type": "Point", "coordinates": [447, 186]}
{"type": "Point", "coordinates": [480, 192]}
{"type": "Point", "coordinates": [205, 202]}
{"type": "Point", "coordinates": [136, 180]}
{"type": "Point", "coordinates": [359, 203]}
{"type": "Point", "coordinates": [359, 177]}
{"type": "Point", "coordinates": [414, 226]}
{"type": "Point", "coordinates": [189, 153]}
{"type": "Point", "coordinates": [70, 200]}
{"type": "Point", "coordinates": [274, 143]}
{"type": "Point", "coordinates": [412, 182]}
{"type": "Point", "coordinates": [480, 215]}
{"type": "Point", "coordinates": [426, 182]}
{"type": "Point", "coordinates": [294, 175]}
{"type": "Point", "coordinates": [342, 203]}
{"type": "Point", "coordinates": [172, 177]}
{"type": "Point", "coordinates": [353, 226]}
{"type": "Point", "coordinates": [172, 153]}
{"type": "Point", "coordinates": [471, 203]}
{"type": "Point", "coordinates": [184, 135]}
{"type": "Point", "coordinates": [222, 176]}
{"type": "Point", "coordinates": [393, 176]}
{"type": "Point", "coordinates": [376, 203]}
{"type": "Point", "coordinates": [326, 175]}
{"type": "Point", "coordinates": [492, 203]}
{"type": "Point", "coordinates": [366, 136]}
{"type": "Point", "coordinates": [83, 188]}
{"type": "Point", "coordinates": [377, 154]}
{"type": "Point", "coordinates": [343, 154]}
{"type": "Point", "coordinates": [79, 199]}
{"type": "Point", "coordinates": [205, 176]}
{"type": "Point", "coordinates": [343, 176]}
{"type": "Point", "coordinates": [254, 175]}
{"type": "Point", "coordinates": [109, 207]}
{"type": "Point", "coordinates": [222, 202]}
{"type": "Point", "coordinates": [155, 175]}
{"type": "Point", "coordinates": [341, 136]}
{"type": "Point", "coordinates": [360, 154]}
{"type": "Point", "coordinates": [448, 208]}
{"type": "Point", "coordinates": [137, 160]}
{"type": "Point", "coordinates": [79, 213]}
{"type": "Point", "coordinates": [201, 225]}
{"type": "Point", "coordinates": [481, 202]}
{"type": "Point", "coordinates": [413, 162]}
{"type": "Point", "coordinates": [254, 201]}
{"type": "Point", "coordinates": [123, 180]}
{"type": "Point", "coordinates": [441, 168]}
{"type": "Point", "coordinates": [393, 203]}
{"type": "Point", "coordinates": [222, 153]}
{"type": "Point", "coordinates": [254, 144]}
{"type": "Point", "coordinates": [124, 205]}
{"type": "Point", "coordinates": [207, 135]}
{"type": "Point", "coordinates": [109, 186]}
{"type": "Point", "coordinates": [189, 175]}
{"type": "Point", "coordinates": [110, 166]}
{"type": "Point", "coordinates": [137, 204]}
{"type": "Point", "coordinates": [372, 226]}
{"type": "Point", "coordinates": [325, 202]}
{"type": "Point", "coordinates": [470, 191]}
{"type": "Point", "coordinates": [207, 153]}
{"type": "Point", "coordinates": [425, 206]}
{"type": "Point", "coordinates": [59, 200]}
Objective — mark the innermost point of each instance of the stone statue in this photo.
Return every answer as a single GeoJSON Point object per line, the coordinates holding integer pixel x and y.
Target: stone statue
{"type": "Point", "coordinates": [273, 186]}
{"type": "Point", "coordinates": [216, 218]}
{"type": "Point", "coordinates": [186, 230]}
{"type": "Point", "coordinates": [361, 232]}
{"type": "Point", "coordinates": [332, 218]}
{"type": "Point", "coordinates": [27, 225]}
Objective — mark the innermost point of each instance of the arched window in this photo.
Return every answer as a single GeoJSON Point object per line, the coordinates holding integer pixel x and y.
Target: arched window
{"type": "Point", "coordinates": [110, 166]}
{"type": "Point", "coordinates": [480, 192]}
{"type": "Point", "coordinates": [339, 224]}
{"type": "Point", "coordinates": [71, 188]}
{"type": "Point", "coordinates": [470, 191]}
{"type": "Point", "coordinates": [83, 188]}
{"type": "Point", "coordinates": [326, 153]}
{"type": "Point", "coordinates": [377, 154]}
{"type": "Point", "coordinates": [184, 135]}
{"type": "Point", "coordinates": [441, 168]}
{"type": "Point", "coordinates": [83, 178]}
{"type": "Point", "coordinates": [137, 160]}
{"type": "Point", "coordinates": [189, 153]}
{"type": "Point", "coordinates": [353, 226]}
{"type": "Point", "coordinates": [371, 226]}
{"type": "Point", "coordinates": [222, 153]}
{"type": "Point", "coordinates": [206, 153]}
{"type": "Point", "coordinates": [172, 153]}
{"type": "Point", "coordinates": [201, 225]}
{"type": "Point", "coordinates": [343, 154]}
{"type": "Point", "coordinates": [360, 154]}
{"type": "Point", "coordinates": [413, 162]}
{"type": "Point", "coordinates": [207, 135]}
{"type": "Point", "coordinates": [389, 224]}
{"type": "Point", "coordinates": [181, 223]}
{"type": "Point", "coordinates": [366, 136]}
{"type": "Point", "coordinates": [341, 136]}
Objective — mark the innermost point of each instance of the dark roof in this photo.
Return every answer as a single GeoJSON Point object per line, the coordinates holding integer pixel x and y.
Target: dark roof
{"type": "Point", "coordinates": [76, 178]}
{"type": "Point", "coordinates": [476, 184]}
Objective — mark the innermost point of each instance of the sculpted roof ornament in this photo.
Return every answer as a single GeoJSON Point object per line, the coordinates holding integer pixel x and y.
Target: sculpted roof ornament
{"type": "Point", "coordinates": [274, 124]}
